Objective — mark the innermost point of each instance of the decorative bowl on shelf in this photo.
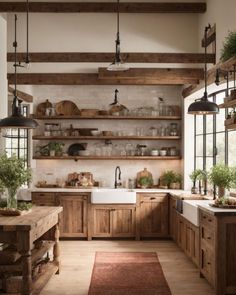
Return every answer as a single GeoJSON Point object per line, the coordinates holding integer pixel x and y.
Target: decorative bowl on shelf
{"type": "Point", "coordinates": [84, 153]}
{"type": "Point", "coordinates": [95, 132]}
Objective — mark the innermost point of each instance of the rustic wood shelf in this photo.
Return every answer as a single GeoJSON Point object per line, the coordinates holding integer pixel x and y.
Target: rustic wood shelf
{"type": "Point", "coordinates": [76, 158]}
{"type": "Point", "coordinates": [231, 127]}
{"type": "Point", "coordinates": [229, 104]}
{"type": "Point", "coordinates": [107, 117]}
{"type": "Point", "coordinates": [42, 137]}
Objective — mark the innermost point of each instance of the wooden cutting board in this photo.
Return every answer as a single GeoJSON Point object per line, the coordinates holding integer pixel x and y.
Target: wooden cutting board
{"type": "Point", "coordinates": [66, 108]}
{"type": "Point", "coordinates": [143, 173]}
{"type": "Point", "coordinates": [41, 108]}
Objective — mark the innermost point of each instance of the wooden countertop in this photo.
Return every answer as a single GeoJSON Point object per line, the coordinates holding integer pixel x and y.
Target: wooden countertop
{"type": "Point", "coordinates": [28, 221]}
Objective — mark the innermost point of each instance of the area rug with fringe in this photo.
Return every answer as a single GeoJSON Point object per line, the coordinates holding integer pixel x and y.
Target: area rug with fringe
{"type": "Point", "coordinates": [128, 273]}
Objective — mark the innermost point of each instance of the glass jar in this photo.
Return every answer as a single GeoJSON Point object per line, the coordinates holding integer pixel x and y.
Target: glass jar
{"type": "Point", "coordinates": [173, 129]}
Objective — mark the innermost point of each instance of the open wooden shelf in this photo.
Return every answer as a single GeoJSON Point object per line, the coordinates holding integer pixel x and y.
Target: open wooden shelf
{"type": "Point", "coordinates": [76, 158]}
{"type": "Point", "coordinates": [229, 104]}
{"type": "Point", "coordinates": [107, 117]}
{"type": "Point", "coordinates": [231, 127]}
{"type": "Point", "coordinates": [42, 137]}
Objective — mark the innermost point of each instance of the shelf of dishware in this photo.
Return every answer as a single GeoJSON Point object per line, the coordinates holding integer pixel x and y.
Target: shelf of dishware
{"type": "Point", "coordinates": [106, 117]}
{"type": "Point", "coordinates": [43, 137]}
{"type": "Point", "coordinates": [76, 158]}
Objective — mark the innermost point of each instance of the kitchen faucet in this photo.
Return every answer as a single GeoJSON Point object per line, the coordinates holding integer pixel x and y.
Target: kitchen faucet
{"type": "Point", "coordinates": [117, 183]}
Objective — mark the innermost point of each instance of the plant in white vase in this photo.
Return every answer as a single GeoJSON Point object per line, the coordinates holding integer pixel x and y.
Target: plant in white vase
{"type": "Point", "coordinates": [13, 175]}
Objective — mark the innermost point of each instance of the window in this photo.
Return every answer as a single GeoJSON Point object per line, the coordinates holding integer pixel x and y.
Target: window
{"type": "Point", "coordinates": [17, 141]}
{"type": "Point", "coordinates": [214, 144]}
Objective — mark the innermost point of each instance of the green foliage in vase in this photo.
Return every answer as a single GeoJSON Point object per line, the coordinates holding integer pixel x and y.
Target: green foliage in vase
{"type": "Point", "coordinates": [198, 174]}
{"type": "Point", "coordinates": [229, 46]}
{"type": "Point", "coordinates": [178, 178]}
{"type": "Point", "coordinates": [145, 181]}
{"type": "Point", "coordinates": [223, 176]}
{"type": "Point", "coordinates": [13, 173]}
{"type": "Point", "coordinates": [168, 177]}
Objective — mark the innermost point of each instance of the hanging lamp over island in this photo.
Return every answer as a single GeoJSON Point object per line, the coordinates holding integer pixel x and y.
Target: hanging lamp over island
{"type": "Point", "coordinates": [17, 120]}
{"type": "Point", "coordinates": [118, 64]}
{"type": "Point", "coordinates": [203, 106]}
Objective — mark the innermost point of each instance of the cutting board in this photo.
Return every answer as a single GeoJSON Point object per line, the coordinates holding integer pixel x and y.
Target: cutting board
{"type": "Point", "coordinates": [66, 108]}
{"type": "Point", "coordinates": [41, 108]}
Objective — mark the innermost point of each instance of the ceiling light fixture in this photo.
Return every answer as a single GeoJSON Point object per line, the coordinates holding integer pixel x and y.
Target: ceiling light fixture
{"type": "Point", "coordinates": [203, 106]}
{"type": "Point", "coordinates": [118, 64]}
{"type": "Point", "coordinates": [17, 120]}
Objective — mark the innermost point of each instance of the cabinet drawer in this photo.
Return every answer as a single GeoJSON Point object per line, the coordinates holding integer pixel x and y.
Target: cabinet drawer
{"type": "Point", "coordinates": [208, 236]}
{"type": "Point", "coordinates": [43, 199]}
{"type": "Point", "coordinates": [207, 220]}
{"type": "Point", "coordinates": [207, 264]}
{"type": "Point", "coordinates": [153, 197]}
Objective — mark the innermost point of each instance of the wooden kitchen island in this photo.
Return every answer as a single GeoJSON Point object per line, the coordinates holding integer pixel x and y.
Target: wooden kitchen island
{"type": "Point", "coordinates": [23, 231]}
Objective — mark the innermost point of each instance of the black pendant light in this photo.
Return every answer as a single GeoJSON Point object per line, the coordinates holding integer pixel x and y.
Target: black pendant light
{"type": "Point", "coordinates": [203, 106]}
{"type": "Point", "coordinates": [27, 58]}
{"type": "Point", "coordinates": [118, 64]}
{"type": "Point", "coordinates": [17, 120]}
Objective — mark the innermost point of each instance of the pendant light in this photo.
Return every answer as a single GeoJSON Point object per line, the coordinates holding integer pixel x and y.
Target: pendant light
{"type": "Point", "coordinates": [27, 58]}
{"type": "Point", "coordinates": [118, 64]}
{"type": "Point", "coordinates": [203, 106]}
{"type": "Point", "coordinates": [17, 120]}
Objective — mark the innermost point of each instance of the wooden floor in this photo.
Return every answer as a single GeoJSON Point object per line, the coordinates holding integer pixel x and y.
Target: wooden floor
{"type": "Point", "coordinates": [78, 258]}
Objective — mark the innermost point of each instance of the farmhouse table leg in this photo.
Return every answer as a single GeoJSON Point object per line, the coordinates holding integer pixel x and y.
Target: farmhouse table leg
{"type": "Point", "coordinates": [26, 273]}
{"type": "Point", "coordinates": [56, 249]}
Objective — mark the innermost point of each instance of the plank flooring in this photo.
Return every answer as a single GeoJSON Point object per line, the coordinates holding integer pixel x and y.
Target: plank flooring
{"type": "Point", "coordinates": [78, 258]}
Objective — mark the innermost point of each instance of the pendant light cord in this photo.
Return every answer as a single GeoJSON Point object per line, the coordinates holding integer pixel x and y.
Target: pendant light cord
{"type": "Point", "coordinates": [27, 60]}
{"type": "Point", "coordinates": [15, 100]}
{"type": "Point", "coordinates": [117, 58]}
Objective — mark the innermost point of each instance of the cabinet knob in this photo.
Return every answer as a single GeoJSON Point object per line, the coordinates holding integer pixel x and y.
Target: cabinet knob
{"type": "Point", "coordinates": [210, 220]}
{"type": "Point", "coordinates": [208, 263]}
{"type": "Point", "coordinates": [152, 198]}
{"type": "Point", "coordinates": [209, 238]}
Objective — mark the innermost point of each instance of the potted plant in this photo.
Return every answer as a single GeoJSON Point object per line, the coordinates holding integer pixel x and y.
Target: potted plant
{"type": "Point", "coordinates": [168, 178]}
{"type": "Point", "coordinates": [176, 184]}
{"type": "Point", "coordinates": [229, 46]}
{"type": "Point", "coordinates": [194, 176]}
{"type": "Point", "coordinates": [56, 148]}
{"type": "Point", "coordinates": [145, 182]}
{"type": "Point", "coordinates": [13, 175]}
{"type": "Point", "coordinates": [223, 177]}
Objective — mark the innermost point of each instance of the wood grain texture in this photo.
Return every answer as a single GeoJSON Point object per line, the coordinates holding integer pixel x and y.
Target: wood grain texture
{"type": "Point", "coordinates": [159, 74]}
{"type": "Point", "coordinates": [226, 66]}
{"type": "Point", "coordinates": [93, 79]}
{"type": "Point", "coordinates": [22, 95]}
{"type": "Point", "coordinates": [101, 57]}
{"type": "Point", "coordinates": [106, 117]}
{"type": "Point", "coordinates": [104, 7]}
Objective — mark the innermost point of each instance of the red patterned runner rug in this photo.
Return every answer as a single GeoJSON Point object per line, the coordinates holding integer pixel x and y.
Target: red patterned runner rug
{"type": "Point", "coordinates": [128, 273]}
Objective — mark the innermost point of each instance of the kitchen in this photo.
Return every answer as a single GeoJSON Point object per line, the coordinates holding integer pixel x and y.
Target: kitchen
{"type": "Point", "coordinates": [115, 147]}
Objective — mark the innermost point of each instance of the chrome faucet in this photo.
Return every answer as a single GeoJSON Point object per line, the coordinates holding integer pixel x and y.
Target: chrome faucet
{"type": "Point", "coordinates": [117, 183]}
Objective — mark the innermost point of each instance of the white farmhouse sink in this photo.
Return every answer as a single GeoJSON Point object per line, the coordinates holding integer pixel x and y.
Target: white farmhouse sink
{"type": "Point", "coordinates": [191, 211]}
{"type": "Point", "coordinates": [113, 196]}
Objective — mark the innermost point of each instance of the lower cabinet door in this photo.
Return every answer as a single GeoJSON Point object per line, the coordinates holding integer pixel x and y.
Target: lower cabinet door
{"type": "Point", "coordinates": [154, 216]}
{"type": "Point", "coordinates": [102, 221]}
{"type": "Point", "coordinates": [207, 266]}
{"type": "Point", "coordinates": [73, 219]}
{"type": "Point", "coordinates": [194, 244]}
{"type": "Point", "coordinates": [123, 222]}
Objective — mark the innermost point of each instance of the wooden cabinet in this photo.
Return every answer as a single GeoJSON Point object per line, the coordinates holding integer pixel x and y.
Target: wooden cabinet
{"type": "Point", "coordinates": [207, 250]}
{"type": "Point", "coordinates": [173, 227]}
{"type": "Point", "coordinates": [113, 221]}
{"type": "Point", "coordinates": [188, 238]}
{"type": "Point", "coordinates": [153, 215]}
{"type": "Point", "coordinates": [73, 219]}
{"type": "Point", "coordinates": [43, 199]}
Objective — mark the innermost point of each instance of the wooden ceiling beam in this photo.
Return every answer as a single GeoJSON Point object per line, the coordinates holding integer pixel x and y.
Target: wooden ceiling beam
{"type": "Point", "coordinates": [104, 7]}
{"type": "Point", "coordinates": [98, 57]}
{"type": "Point", "coordinates": [91, 79]}
{"type": "Point", "coordinates": [22, 95]}
{"type": "Point", "coordinates": [211, 73]}
{"type": "Point", "coordinates": [170, 75]}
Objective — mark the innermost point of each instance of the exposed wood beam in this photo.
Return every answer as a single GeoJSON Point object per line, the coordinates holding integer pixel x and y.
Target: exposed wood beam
{"type": "Point", "coordinates": [226, 66]}
{"type": "Point", "coordinates": [97, 57]}
{"type": "Point", "coordinates": [159, 74]}
{"type": "Point", "coordinates": [22, 95]}
{"type": "Point", "coordinates": [91, 79]}
{"type": "Point", "coordinates": [88, 7]}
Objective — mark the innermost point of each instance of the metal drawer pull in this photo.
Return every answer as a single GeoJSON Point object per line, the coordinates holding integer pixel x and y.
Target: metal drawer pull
{"type": "Point", "coordinates": [209, 238]}
{"type": "Point", "coordinates": [152, 198]}
{"type": "Point", "coordinates": [210, 220]}
{"type": "Point", "coordinates": [208, 263]}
